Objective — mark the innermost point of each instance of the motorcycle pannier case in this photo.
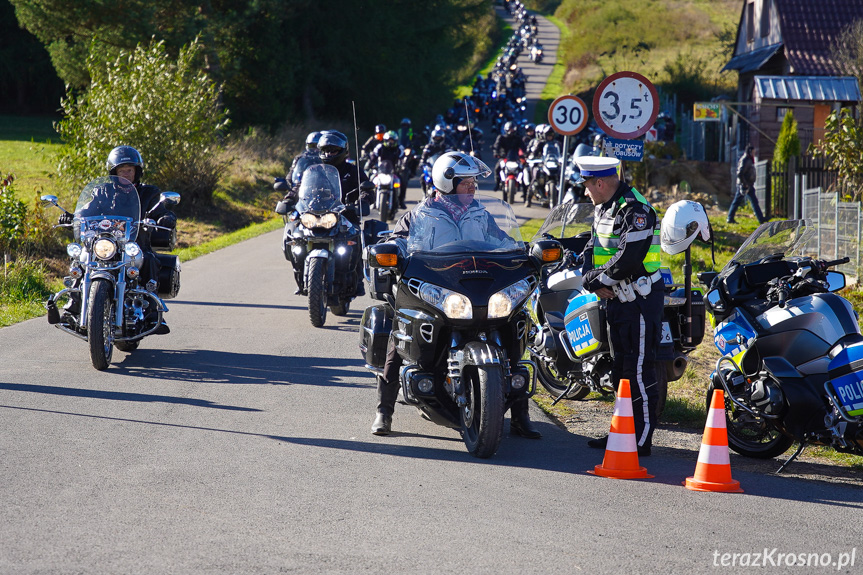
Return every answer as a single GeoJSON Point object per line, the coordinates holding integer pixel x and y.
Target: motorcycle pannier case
{"type": "Point", "coordinates": [846, 380]}
{"type": "Point", "coordinates": [169, 276]}
{"type": "Point", "coordinates": [699, 314]}
{"type": "Point", "coordinates": [586, 328]}
{"type": "Point", "coordinates": [374, 333]}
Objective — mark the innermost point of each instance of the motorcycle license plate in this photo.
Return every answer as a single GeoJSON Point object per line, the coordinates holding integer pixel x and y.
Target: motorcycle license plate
{"type": "Point", "coordinates": [666, 334]}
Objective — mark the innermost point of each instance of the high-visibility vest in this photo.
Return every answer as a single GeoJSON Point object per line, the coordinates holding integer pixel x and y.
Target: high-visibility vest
{"type": "Point", "coordinates": [606, 243]}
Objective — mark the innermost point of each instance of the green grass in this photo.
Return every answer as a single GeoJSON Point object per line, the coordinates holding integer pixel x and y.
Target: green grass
{"type": "Point", "coordinates": [27, 147]}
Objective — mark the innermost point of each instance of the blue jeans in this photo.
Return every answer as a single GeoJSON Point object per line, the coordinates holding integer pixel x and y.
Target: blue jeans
{"type": "Point", "coordinates": [740, 199]}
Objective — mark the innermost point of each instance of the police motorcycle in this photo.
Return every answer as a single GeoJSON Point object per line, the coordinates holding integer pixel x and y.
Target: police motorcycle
{"type": "Point", "coordinates": [569, 340]}
{"type": "Point", "coordinates": [107, 304]}
{"type": "Point", "coordinates": [791, 346]}
{"type": "Point", "coordinates": [460, 319]}
{"type": "Point", "coordinates": [387, 187]}
{"type": "Point", "coordinates": [323, 246]}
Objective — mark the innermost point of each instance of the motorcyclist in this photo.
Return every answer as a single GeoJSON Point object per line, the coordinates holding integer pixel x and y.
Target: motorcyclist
{"type": "Point", "coordinates": [370, 144]}
{"type": "Point", "coordinates": [529, 134]}
{"type": "Point", "coordinates": [126, 162]}
{"type": "Point", "coordinates": [310, 151]}
{"type": "Point", "coordinates": [389, 151]}
{"type": "Point", "coordinates": [406, 133]}
{"type": "Point", "coordinates": [507, 145]}
{"type": "Point", "coordinates": [437, 145]}
{"type": "Point", "coordinates": [458, 216]}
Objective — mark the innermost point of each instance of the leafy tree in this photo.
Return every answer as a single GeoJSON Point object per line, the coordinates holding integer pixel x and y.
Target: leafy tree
{"type": "Point", "coordinates": [169, 110]}
{"type": "Point", "coordinates": [848, 50]}
{"type": "Point", "coordinates": [788, 142]}
{"type": "Point", "coordinates": [842, 145]}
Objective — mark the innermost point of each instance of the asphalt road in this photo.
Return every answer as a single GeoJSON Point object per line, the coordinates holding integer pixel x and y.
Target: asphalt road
{"type": "Point", "coordinates": [240, 443]}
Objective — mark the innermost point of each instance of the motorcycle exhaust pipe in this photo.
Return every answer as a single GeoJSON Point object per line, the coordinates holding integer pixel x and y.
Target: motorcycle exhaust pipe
{"type": "Point", "coordinates": [677, 367]}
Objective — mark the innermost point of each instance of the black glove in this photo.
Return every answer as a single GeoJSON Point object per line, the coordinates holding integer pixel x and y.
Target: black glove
{"type": "Point", "coordinates": [65, 219]}
{"type": "Point", "coordinates": [591, 279]}
{"type": "Point", "coordinates": [168, 221]}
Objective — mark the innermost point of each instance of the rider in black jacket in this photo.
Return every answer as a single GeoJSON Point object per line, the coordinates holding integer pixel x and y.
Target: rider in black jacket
{"type": "Point", "coordinates": [506, 146]}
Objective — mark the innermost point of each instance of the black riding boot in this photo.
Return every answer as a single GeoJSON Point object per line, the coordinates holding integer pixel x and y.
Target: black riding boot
{"type": "Point", "coordinates": [519, 420]}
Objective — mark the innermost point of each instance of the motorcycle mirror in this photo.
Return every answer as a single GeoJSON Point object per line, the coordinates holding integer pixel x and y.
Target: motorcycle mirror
{"type": "Point", "coordinates": [367, 186]}
{"type": "Point", "coordinates": [545, 252]}
{"type": "Point", "coordinates": [835, 281]}
{"type": "Point", "coordinates": [280, 185]}
{"type": "Point", "coordinates": [169, 198]}
{"type": "Point", "coordinates": [48, 200]}
{"type": "Point", "coordinates": [384, 256]}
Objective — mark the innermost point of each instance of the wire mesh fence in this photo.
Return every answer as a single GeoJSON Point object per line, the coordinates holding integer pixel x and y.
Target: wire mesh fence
{"type": "Point", "coordinates": [839, 226]}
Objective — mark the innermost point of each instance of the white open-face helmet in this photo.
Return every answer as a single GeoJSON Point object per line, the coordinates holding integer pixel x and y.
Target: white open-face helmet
{"type": "Point", "coordinates": [452, 167]}
{"type": "Point", "coordinates": [681, 224]}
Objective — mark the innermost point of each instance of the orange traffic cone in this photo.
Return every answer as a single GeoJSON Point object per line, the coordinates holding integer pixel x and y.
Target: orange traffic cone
{"type": "Point", "coordinates": [621, 452]}
{"type": "Point", "coordinates": [713, 471]}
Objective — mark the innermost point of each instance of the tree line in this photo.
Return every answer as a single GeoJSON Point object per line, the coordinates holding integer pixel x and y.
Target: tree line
{"type": "Point", "coordinates": [279, 60]}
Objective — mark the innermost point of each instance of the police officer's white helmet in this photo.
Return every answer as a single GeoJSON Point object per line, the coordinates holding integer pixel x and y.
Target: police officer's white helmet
{"type": "Point", "coordinates": [683, 221]}
{"type": "Point", "coordinates": [452, 167]}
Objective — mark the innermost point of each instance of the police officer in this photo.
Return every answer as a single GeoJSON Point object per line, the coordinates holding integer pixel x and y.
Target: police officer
{"type": "Point", "coordinates": [622, 267]}
{"type": "Point", "coordinates": [454, 176]}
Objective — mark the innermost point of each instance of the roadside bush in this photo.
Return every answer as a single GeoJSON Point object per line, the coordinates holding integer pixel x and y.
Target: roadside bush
{"type": "Point", "coordinates": [13, 212]}
{"type": "Point", "coordinates": [25, 281]}
{"type": "Point", "coordinates": [169, 110]}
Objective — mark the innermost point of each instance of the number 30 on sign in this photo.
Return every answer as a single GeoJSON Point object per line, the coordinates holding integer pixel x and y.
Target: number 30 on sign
{"type": "Point", "coordinates": [567, 115]}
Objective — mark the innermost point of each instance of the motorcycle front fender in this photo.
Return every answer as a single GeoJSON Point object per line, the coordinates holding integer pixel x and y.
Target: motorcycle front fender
{"type": "Point", "coordinates": [317, 254]}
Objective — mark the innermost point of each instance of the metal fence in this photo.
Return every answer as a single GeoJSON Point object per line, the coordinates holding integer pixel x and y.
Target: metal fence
{"type": "Point", "coordinates": [839, 226]}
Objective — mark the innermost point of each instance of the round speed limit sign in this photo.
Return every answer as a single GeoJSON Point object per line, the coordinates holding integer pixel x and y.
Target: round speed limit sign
{"type": "Point", "coordinates": [625, 105]}
{"type": "Point", "coordinates": [567, 115]}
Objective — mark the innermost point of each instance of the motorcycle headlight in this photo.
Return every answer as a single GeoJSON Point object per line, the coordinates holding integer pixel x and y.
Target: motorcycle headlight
{"type": "Point", "coordinates": [503, 302]}
{"type": "Point", "coordinates": [104, 248]}
{"type": "Point", "coordinates": [325, 221]}
{"type": "Point", "coordinates": [74, 251]}
{"type": "Point", "coordinates": [453, 304]}
{"type": "Point", "coordinates": [132, 249]}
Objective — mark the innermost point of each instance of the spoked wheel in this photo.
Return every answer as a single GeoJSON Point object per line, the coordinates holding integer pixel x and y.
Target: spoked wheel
{"type": "Point", "coordinates": [318, 291]}
{"type": "Point", "coordinates": [100, 324]}
{"type": "Point", "coordinates": [550, 379]}
{"type": "Point", "coordinates": [750, 435]}
{"type": "Point", "coordinates": [482, 415]}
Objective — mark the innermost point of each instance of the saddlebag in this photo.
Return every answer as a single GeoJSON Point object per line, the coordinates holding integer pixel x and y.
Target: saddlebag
{"type": "Point", "coordinates": [169, 276]}
{"type": "Point", "coordinates": [374, 333]}
{"type": "Point", "coordinates": [846, 380]}
{"type": "Point", "coordinates": [699, 314]}
{"type": "Point", "coordinates": [164, 239]}
{"type": "Point", "coordinates": [586, 328]}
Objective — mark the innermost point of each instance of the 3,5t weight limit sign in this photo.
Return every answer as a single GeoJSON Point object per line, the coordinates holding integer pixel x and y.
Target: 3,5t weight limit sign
{"type": "Point", "coordinates": [625, 105]}
{"type": "Point", "coordinates": [567, 115]}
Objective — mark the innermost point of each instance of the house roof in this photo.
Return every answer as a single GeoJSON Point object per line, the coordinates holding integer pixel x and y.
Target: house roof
{"type": "Point", "coordinates": [809, 28]}
{"type": "Point", "coordinates": [751, 61]}
{"type": "Point", "coordinates": [810, 88]}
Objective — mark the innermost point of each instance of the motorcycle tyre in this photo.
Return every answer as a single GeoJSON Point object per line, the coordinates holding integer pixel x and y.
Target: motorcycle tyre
{"type": "Point", "coordinates": [510, 188]}
{"type": "Point", "coordinates": [343, 307]}
{"type": "Point", "coordinates": [554, 386]}
{"type": "Point", "coordinates": [127, 346]}
{"type": "Point", "coordinates": [482, 427]}
{"type": "Point", "coordinates": [100, 324]}
{"type": "Point", "coordinates": [386, 214]}
{"type": "Point", "coordinates": [777, 446]}
{"type": "Point", "coordinates": [317, 291]}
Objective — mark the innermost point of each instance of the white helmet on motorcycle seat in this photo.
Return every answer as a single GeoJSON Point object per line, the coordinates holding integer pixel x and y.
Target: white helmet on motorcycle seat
{"type": "Point", "coordinates": [451, 168]}
{"type": "Point", "coordinates": [681, 224]}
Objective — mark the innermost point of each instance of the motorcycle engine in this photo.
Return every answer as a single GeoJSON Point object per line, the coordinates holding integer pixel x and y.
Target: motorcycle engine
{"type": "Point", "coordinates": [767, 396]}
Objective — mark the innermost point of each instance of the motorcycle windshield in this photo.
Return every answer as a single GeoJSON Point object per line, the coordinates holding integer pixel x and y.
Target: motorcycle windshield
{"type": "Point", "coordinates": [320, 190]}
{"type": "Point", "coordinates": [108, 205]}
{"type": "Point", "coordinates": [445, 225]}
{"type": "Point", "coordinates": [552, 151]}
{"type": "Point", "coordinates": [783, 238]}
{"type": "Point", "coordinates": [567, 220]}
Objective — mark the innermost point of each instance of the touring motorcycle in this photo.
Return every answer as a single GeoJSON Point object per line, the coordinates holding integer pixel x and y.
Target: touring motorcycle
{"type": "Point", "coordinates": [323, 246]}
{"type": "Point", "coordinates": [458, 317]}
{"type": "Point", "coordinates": [569, 340]}
{"type": "Point", "coordinates": [792, 352]}
{"type": "Point", "coordinates": [107, 306]}
{"type": "Point", "coordinates": [387, 189]}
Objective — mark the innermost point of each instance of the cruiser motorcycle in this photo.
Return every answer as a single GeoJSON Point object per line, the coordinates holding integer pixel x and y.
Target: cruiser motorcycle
{"type": "Point", "coordinates": [323, 246]}
{"type": "Point", "coordinates": [569, 341]}
{"type": "Point", "coordinates": [458, 315]}
{"type": "Point", "coordinates": [792, 352]}
{"type": "Point", "coordinates": [107, 306]}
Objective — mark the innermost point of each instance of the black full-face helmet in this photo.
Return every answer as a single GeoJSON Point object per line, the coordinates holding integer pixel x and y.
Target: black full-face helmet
{"type": "Point", "coordinates": [312, 140]}
{"type": "Point", "coordinates": [125, 155]}
{"type": "Point", "coordinates": [333, 147]}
